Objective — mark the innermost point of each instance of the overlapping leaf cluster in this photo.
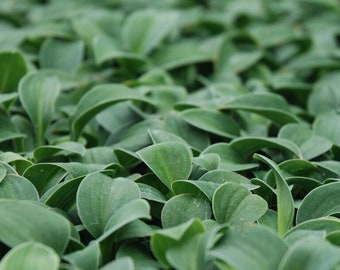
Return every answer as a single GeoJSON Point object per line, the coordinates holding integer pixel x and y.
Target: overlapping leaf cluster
{"type": "Point", "coordinates": [170, 134]}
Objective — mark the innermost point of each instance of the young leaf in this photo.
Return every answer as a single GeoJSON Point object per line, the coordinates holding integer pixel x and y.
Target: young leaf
{"type": "Point", "coordinates": [30, 256]}
{"type": "Point", "coordinates": [38, 95]}
{"type": "Point", "coordinates": [285, 202]}
{"type": "Point", "coordinates": [320, 202]}
{"type": "Point", "coordinates": [235, 205]}
{"type": "Point", "coordinates": [170, 161]}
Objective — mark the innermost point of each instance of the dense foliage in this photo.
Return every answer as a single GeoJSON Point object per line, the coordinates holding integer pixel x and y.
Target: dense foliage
{"type": "Point", "coordinates": [173, 134]}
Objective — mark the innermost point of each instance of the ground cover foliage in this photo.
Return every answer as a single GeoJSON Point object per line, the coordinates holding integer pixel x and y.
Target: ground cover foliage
{"type": "Point", "coordinates": [170, 134]}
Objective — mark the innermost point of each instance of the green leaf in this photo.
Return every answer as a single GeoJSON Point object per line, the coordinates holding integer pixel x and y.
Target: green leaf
{"type": "Point", "coordinates": [3, 172]}
{"type": "Point", "coordinates": [86, 259]}
{"type": "Point", "coordinates": [328, 126]}
{"type": "Point", "coordinates": [250, 249]}
{"type": "Point", "coordinates": [17, 187]}
{"type": "Point", "coordinates": [235, 205]}
{"type": "Point", "coordinates": [271, 106]}
{"type": "Point", "coordinates": [99, 197]}
{"type": "Point", "coordinates": [248, 145]}
{"type": "Point", "coordinates": [12, 69]}
{"type": "Point", "coordinates": [30, 256]}
{"type": "Point", "coordinates": [311, 253]}
{"type": "Point", "coordinates": [320, 202]}
{"type": "Point", "coordinates": [96, 100]}
{"type": "Point", "coordinates": [183, 207]}
{"type": "Point", "coordinates": [311, 145]}
{"type": "Point", "coordinates": [38, 95]}
{"type": "Point", "coordinates": [230, 159]}
{"type": "Point", "coordinates": [285, 203]}
{"type": "Point", "coordinates": [180, 54]}
{"type": "Point", "coordinates": [211, 121]}
{"type": "Point", "coordinates": [8, 130]}
{"type": "Point", "coordinates": [195, 187]}
{"type": "Point", "coordinates": [61, 54]}
{"type": "Point", "coordinates": [64, 148]}
{"type": "Point", "coordinates": [41, 225]}
{"type": "Point", "coordinates": [163, 240]}
{"type": "Point", "coordinates": [106, 48]}
{"type": "Point", "coordinates": [327, 224]}
{"type": "Point", "coordinates": [324, 96]}
{"type": "Point", "coordinates": [129, 212]}
{"type": "Point", "coordinates": [125, 263]}
{"type": "Point", "coordinates": [170, 161]}
{"type": "Point", "coordinates": [145, 30]}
